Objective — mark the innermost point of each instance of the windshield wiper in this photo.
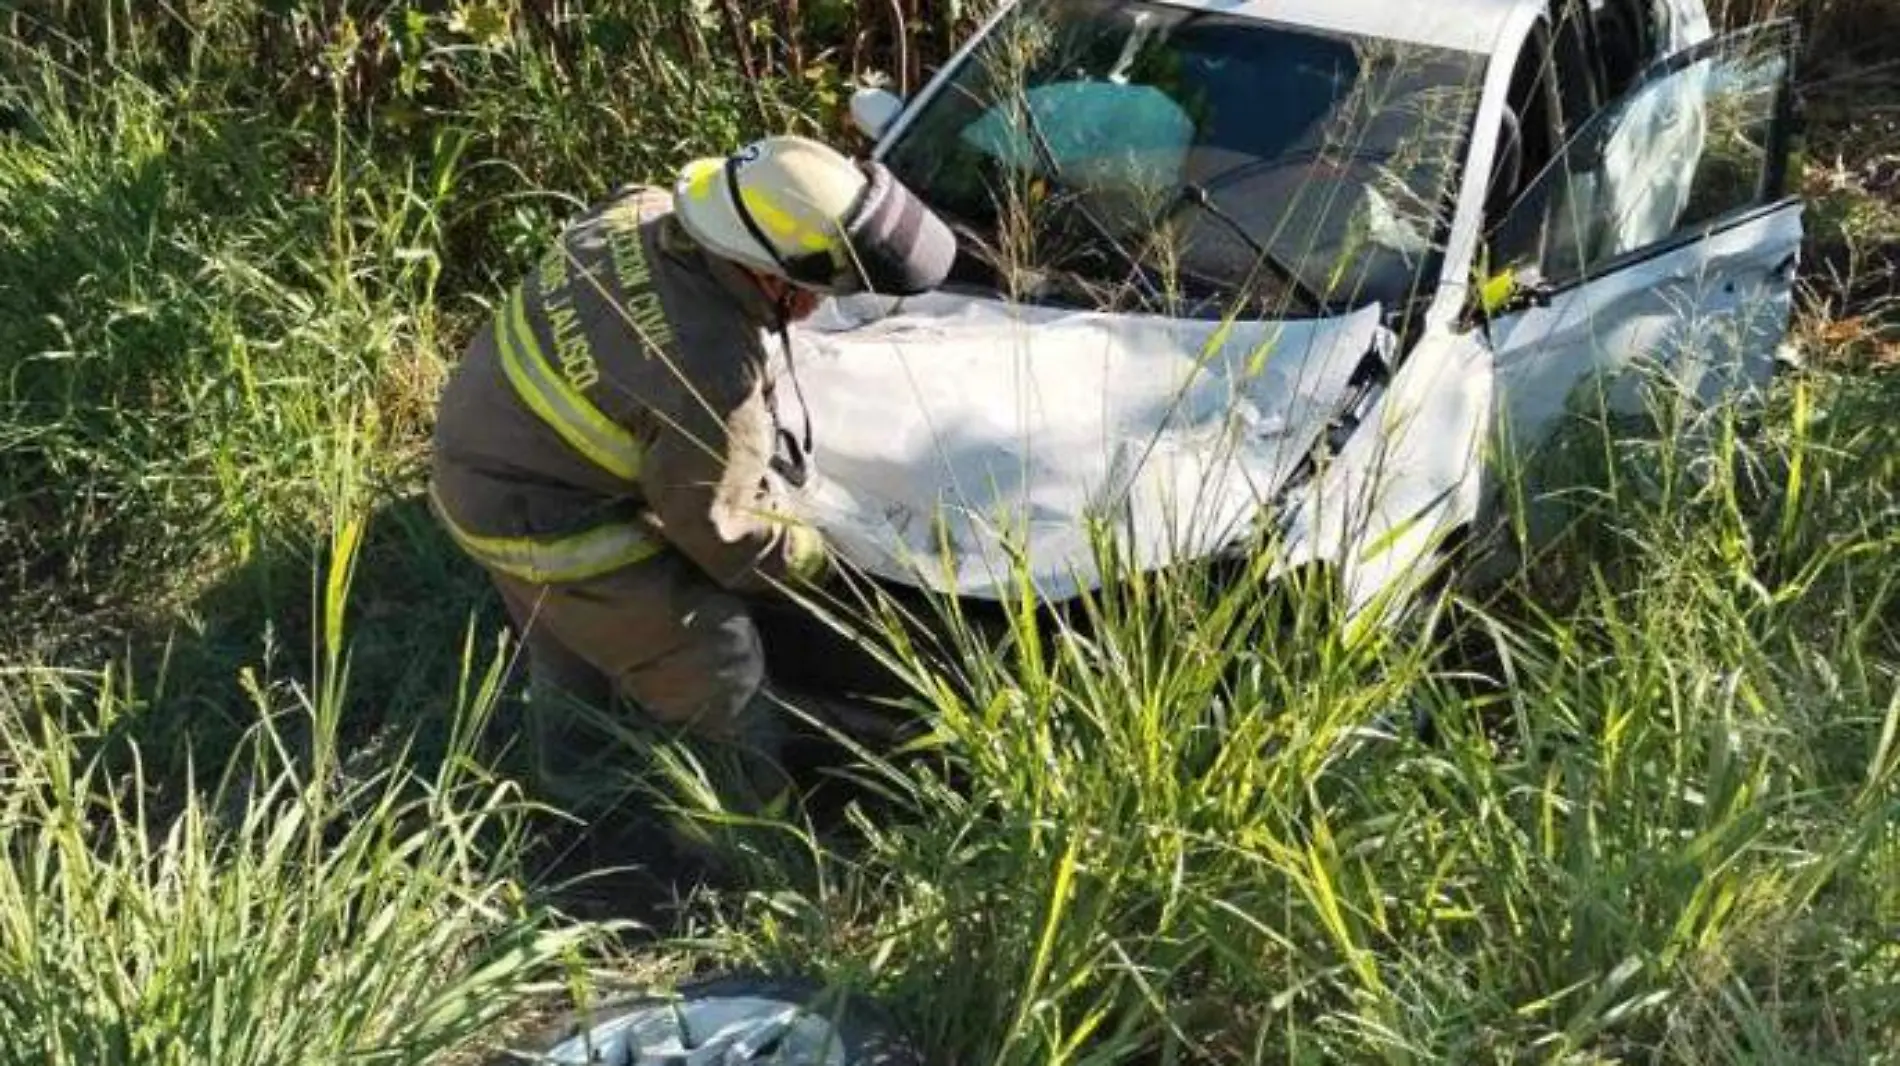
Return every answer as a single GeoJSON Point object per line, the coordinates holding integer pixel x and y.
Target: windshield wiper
{"type": "Point", "coordinates": [1196, 196]}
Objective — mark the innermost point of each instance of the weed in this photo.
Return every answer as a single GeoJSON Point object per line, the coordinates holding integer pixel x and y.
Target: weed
{"type": "Point", "coordinates": [309, 907]}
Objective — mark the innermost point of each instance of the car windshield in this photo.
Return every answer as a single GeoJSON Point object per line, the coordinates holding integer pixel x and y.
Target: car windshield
{"type": "Point", "coordinates": [1116, 154]}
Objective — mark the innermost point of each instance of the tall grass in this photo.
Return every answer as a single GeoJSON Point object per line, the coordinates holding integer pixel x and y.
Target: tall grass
{"type": "Point", "coordinates": [301, 908]}
{"type": "Point", "coordinates": [229, 233]}
{"type": "Point", "coordinates": [1194, 824]}
{"type": "Point", "coordinates": [1190, 820]}
{"type": "Point", "coordinates": [181, 376]}
{"type": "Point", "coordinates": [238, 245]}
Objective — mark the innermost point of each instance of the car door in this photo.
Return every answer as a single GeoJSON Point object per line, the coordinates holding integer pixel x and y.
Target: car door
{"type": "Point", "coordinates": [1662, 237]}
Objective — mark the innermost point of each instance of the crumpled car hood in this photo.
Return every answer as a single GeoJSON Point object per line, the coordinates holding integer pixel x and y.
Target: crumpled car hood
{"type": "Point", "coordinates": [959, 431]}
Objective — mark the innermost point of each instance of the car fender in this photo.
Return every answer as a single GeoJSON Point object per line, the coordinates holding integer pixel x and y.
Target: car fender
{"type": "Point", "coordinates": [1408, 479]}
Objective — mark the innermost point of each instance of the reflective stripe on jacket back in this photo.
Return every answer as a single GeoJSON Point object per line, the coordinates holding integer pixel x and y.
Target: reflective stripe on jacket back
{"type": "Point", "coordinates": [592, 297]}
{"type": "Point", "coordinates": [624, 333]}
{"type": "Point", "coordinates": [593, 289]}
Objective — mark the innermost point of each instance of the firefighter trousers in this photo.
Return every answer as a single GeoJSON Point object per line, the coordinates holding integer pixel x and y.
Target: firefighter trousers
{"type": "Point", "coordinates": [656, 647]}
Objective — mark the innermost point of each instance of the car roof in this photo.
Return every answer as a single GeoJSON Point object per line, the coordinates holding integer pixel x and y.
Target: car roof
{"type": "Point", "coordinates": [1465, 25]}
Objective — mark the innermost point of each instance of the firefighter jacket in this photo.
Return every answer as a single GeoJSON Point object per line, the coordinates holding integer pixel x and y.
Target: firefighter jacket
{"type": "Point", "coordinates": [620, 405]}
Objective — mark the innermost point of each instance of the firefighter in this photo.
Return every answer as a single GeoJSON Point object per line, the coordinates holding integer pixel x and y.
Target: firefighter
{"type": "Point", "coordinates": [610, 449]}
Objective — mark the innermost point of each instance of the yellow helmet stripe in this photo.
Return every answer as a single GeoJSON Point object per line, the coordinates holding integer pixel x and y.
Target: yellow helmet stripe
{"type": "Point", "coordinates": [784, 224]}
{"type": "Point", "coordinates": [558, 403]}
{"type": "Point", "coordinates": [554, 560]}
{"type": "Point", "coordinates": [701, 178]}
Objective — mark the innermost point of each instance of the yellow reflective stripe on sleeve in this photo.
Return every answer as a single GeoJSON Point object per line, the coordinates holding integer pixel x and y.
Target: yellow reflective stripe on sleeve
{"type": "Point", "coordinates": [558, 403]}
{"type": "Point", "coordinates": [555, 560]}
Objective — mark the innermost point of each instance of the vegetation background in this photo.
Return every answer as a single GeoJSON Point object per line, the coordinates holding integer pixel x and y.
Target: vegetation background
{"type": "Point", "coordinates": [250, 810]}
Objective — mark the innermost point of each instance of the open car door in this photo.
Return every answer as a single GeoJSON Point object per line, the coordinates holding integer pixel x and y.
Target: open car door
{"type": "Point", "coordinates": [1663, 238]}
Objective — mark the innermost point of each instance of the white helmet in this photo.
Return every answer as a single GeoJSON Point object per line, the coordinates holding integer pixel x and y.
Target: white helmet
{"type": "Point", "coordinates": [794, 208]}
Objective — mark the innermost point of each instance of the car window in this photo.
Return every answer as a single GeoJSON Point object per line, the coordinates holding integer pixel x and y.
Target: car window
{"type": "Point", "coordinates": [1248, 164]}
{"type": "Point", "coordinates": [1697, 141]}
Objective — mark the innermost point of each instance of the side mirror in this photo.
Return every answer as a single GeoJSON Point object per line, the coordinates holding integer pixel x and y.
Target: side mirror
{"type": "Point", "coordinates": [873, 111]}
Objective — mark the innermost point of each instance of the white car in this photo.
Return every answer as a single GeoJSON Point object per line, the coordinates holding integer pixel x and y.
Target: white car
{"type": "Point", "coordinates": [1292, 267]}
